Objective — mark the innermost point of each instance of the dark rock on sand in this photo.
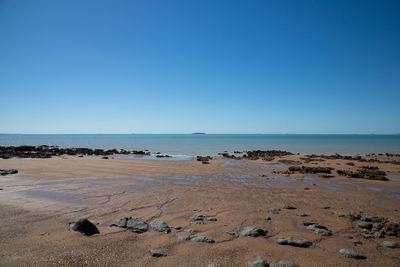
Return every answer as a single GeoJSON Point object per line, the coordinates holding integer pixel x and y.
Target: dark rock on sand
{"type": "Point", "coordinates": [260, 262]}
{"type": "Point", "coordinates": [184, 237]}
{"type": "Point", "coordinates": [157, 253]}
{"type": "Point", "coordinates": [85, 227]}
{"type": "Point", "coordinates": [122, 222]}
{"type": "Point", "coordinates": [137, 225]}
{"type": "Point", "coordinates": [319, 229]}
{"type": "Point", "coordinates": [312, 170]}
{"type": "Point", "coordinates": [178, 228]}
{"type": "Point", "coordinates": [257, 154]}
{"type": "Point", "coordinates": [202, 218]}
{"type": "Point", "coordinates": [252, 231]}
{"type": "Point", "coordinates": [284, 263]}
{"type": "Point", "coordinates": [7, 172]}
{"type": "Point", "coordinates": [289, 207]}
{"type": "Point", "coordinates": [390, 244]}
{"type": "Point", "coordinates": [160, 226]}
{"type": "Point", "coordinates": [290, 241]}
{"type": "Point", "coordinates": [365, 172]}
{"type": "Point", "coordinates": [346, 253]}
{"type": "Point", "coordinates": [274, 210]}
{"type": "Point", "coordinates": [203, 239]}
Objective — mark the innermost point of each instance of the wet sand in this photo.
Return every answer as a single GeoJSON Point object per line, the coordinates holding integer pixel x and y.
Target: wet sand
{"type": "Point", "coordinates": [39, 202]}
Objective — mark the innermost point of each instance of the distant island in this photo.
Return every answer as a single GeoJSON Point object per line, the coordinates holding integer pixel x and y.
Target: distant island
{"type": "Point", "coordinates": [198, 133]}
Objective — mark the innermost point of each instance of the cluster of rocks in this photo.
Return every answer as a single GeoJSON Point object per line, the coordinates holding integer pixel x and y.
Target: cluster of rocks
{"type": "Point", "coordinates": [204, 159]}
{"type": "Point", "coordinates": [265, 154]}
{"type": "Point", "coordinates": [365, 172]}
{"type": "Point", "coordinates": [310, 170]}
{"type": "Point", "coordinates": [202, 218]}
{"type": "Point", "coordinates": [227, 156]}
{"type": "Point", "coordinates": [135, 225]}
{"type": "Point", "coordinates": [8, 172]}
{"type": "Point", "coordinates": [355, 158]}
{"type": "Point", "coordinates": [379, 227]}
{"type": "Point", "coordinates": [45, 151]}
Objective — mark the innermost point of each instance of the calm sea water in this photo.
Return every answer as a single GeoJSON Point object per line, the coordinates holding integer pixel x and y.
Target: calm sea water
{"type": "Point", "coordinates": [211, 144]}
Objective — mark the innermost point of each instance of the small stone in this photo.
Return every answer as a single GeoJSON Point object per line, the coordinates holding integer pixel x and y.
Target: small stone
{"type": "Point", "coordinates": [178, 228]}
{"type": "Point", "coordinates": [390, 244]}
{"type": "Point", "coordinates": [230, 233]}
{"type": "Point", "coordinates": [274, 210]}
{"type": "Point", "coordinates": [212, 265]}
{"type": "Point", "coordinates": [211, 219]}
{"type": "Point", "coordinates": [253, 231]}
{"type": "Point", "coordinates": [161, 227]}
{"type": "Point", "coordinates": [260, 262]}
{"type": "Point", "coordinates": [183, 237]}
{"type": "Point", "coordinates": [284, 263]}
{"type": "Point", "coordinates": [157, 253]}
{"type": "Point", "coordinates": [203, 239]}
{"type": "Point", "coordinates": [192, 231]}
{"type": "Point", "coordinates": [346, 253]}
{"type": "Point", "coordinates": [289, 207]}
{"type": "Point", "coordinates": [300, 214]}
{"type": "Point", "coordinates": [304, 243]}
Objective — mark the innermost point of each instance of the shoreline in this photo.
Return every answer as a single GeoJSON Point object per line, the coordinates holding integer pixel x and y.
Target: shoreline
{"type": "Point", "coordinates": [40, 202]}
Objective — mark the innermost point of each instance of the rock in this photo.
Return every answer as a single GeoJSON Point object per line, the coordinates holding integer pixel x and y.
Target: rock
{"type": "Point", "coordinates": [312, 170]}
{"type": "Point", "coordinates": [178, 228]}
{"type": "Point", "coordinates": [390, 244]}
{"type": "Point", "coordinates": [346, 253]}
{"type": "Point", "coordinates": [122, 222]}
{"type": "Point", "coordinates": [289, 207]}
{"type": "Point", "coordinates": [260, 262]}
{"type": "Point", "coordinates": [300, 214]}
{"type": "Point", "coordinates": [319, 229]}
{"type": "Point", "coordinates": [274, 210]}
{"type": "Point", "coordinates": [365, 225]}
{"type": "Point", "coordinates": [203, 239]}
{"type": "Point", "coordinates": [157, 253]}
{"type": "Point", "coordinates": [252, 231]}
{"type": "Point", "coordinates": [211, 219]}
{"type": "Point", "coordinates": [230, 233]}
{"type": "Point", "coordinates": [137, 225]}
{"type": "Point", "coordinates": [284, 263]}
{"type": "Point", "coordinates": [161, 227]}
{"type": "Point", "coordinates": [304, 243]}
{"type": "Point", "coordinates": [192, 231]}
{"type": "Point", "coordinates": [212, 265]}
{"type": "Point", "coordinates": [184, 237]}
{"type": "Point", "coordinates": [202, 218]}
{"type": "Point", "coordinates": [85, 227]}
{"type": "Point", "coordinates": [8, 172]}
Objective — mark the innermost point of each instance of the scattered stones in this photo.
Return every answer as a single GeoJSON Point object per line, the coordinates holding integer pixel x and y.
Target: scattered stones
{"type": "Point", "coordinates": [390, 244]}
{"type": "Point", "coordinates": [137, 225]}
{"type": "Point", "coordinates": [8, 172]}
{"type": "Point", "coordinates": [290, 241]}
{"type": "Point", "coordinates": [157, 253]}
{"type": "Point", "coordinates": [260, 262]}
{"type": "Point", "coordinates": [203, 239]}
{"type": "Point", "coordinates": [274, 210]}
{"type": "Point", "coordinates": [346, 253]}
{"type": "Point", "coordinates": [252, 231]}
{"type": "Point", "coordinates": [284, 263]}
{"type": "Point", "coordinates": [85, 227]}
{"type": "Point", "coordinates": [365, 172]}
{"type": "Point", "coordinates": [160, 226]}
{"type": "Point", "coordinates": [202, 218]}
{"type": "Point", "coordinates": [204, 160]}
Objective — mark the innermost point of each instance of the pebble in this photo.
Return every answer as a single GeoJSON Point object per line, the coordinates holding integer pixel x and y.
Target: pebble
{"type": "Point", "coordinates": [157, 253]}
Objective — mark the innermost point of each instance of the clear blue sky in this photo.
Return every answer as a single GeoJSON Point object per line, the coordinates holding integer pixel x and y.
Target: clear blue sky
{"type": "Point", "coordinates": [213, 66]}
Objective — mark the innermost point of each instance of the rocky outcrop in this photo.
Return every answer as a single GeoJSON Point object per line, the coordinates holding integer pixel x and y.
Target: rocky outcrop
{"type": "Point", "coordinates": [365, 172]}
{"type": "Point", "coordinates": [259, 154]}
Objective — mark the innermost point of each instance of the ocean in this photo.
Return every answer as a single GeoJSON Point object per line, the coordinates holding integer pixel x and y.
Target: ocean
{"type": "Point", "coordinates": [212, 144]}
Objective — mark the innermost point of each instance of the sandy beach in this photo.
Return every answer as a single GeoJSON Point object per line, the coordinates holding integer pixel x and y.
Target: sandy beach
{"type": "Point", "coordinates": [39, 203]}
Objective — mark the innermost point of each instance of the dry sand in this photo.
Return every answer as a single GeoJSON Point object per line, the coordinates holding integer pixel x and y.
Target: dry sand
{"type": "Point", "coordinates": [39, 202]}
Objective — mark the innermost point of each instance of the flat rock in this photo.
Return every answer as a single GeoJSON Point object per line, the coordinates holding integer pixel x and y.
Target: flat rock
{"type": "Point", "coordinates": [192, 231]}
{"type": "Point", "coordinates": [284, 263]}
{"type": "Point", "coordinates": [253, 231]}
{"type": "Point", "coordinates": [346, 253]}
{"type": "Point", "coordinates": [157, 253]}
{"type": "Point", "coordinates": [161, 227]}
{"type": "Point", "coordinates": [260, 262]}
{"type": "Point", "coordinates": [290, 241]}
{"type": "Point", "coordinates": [319, 229]}
{"type": "Point", "coordinates": [85, 227]}
{"type": "Point", "coordinates": [203, 239]}
{"type": "Point", "coordinates": [137, 225]}
{"type": "Point", "coordinates": [390, 244]}
{"type": "Point", "coordinates": [184, 237]}
{"type": "Point", "coordinates": [8, 172]}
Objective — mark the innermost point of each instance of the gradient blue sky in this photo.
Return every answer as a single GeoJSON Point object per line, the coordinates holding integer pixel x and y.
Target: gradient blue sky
{"type": "Point", "coordinates": [213, 66]}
